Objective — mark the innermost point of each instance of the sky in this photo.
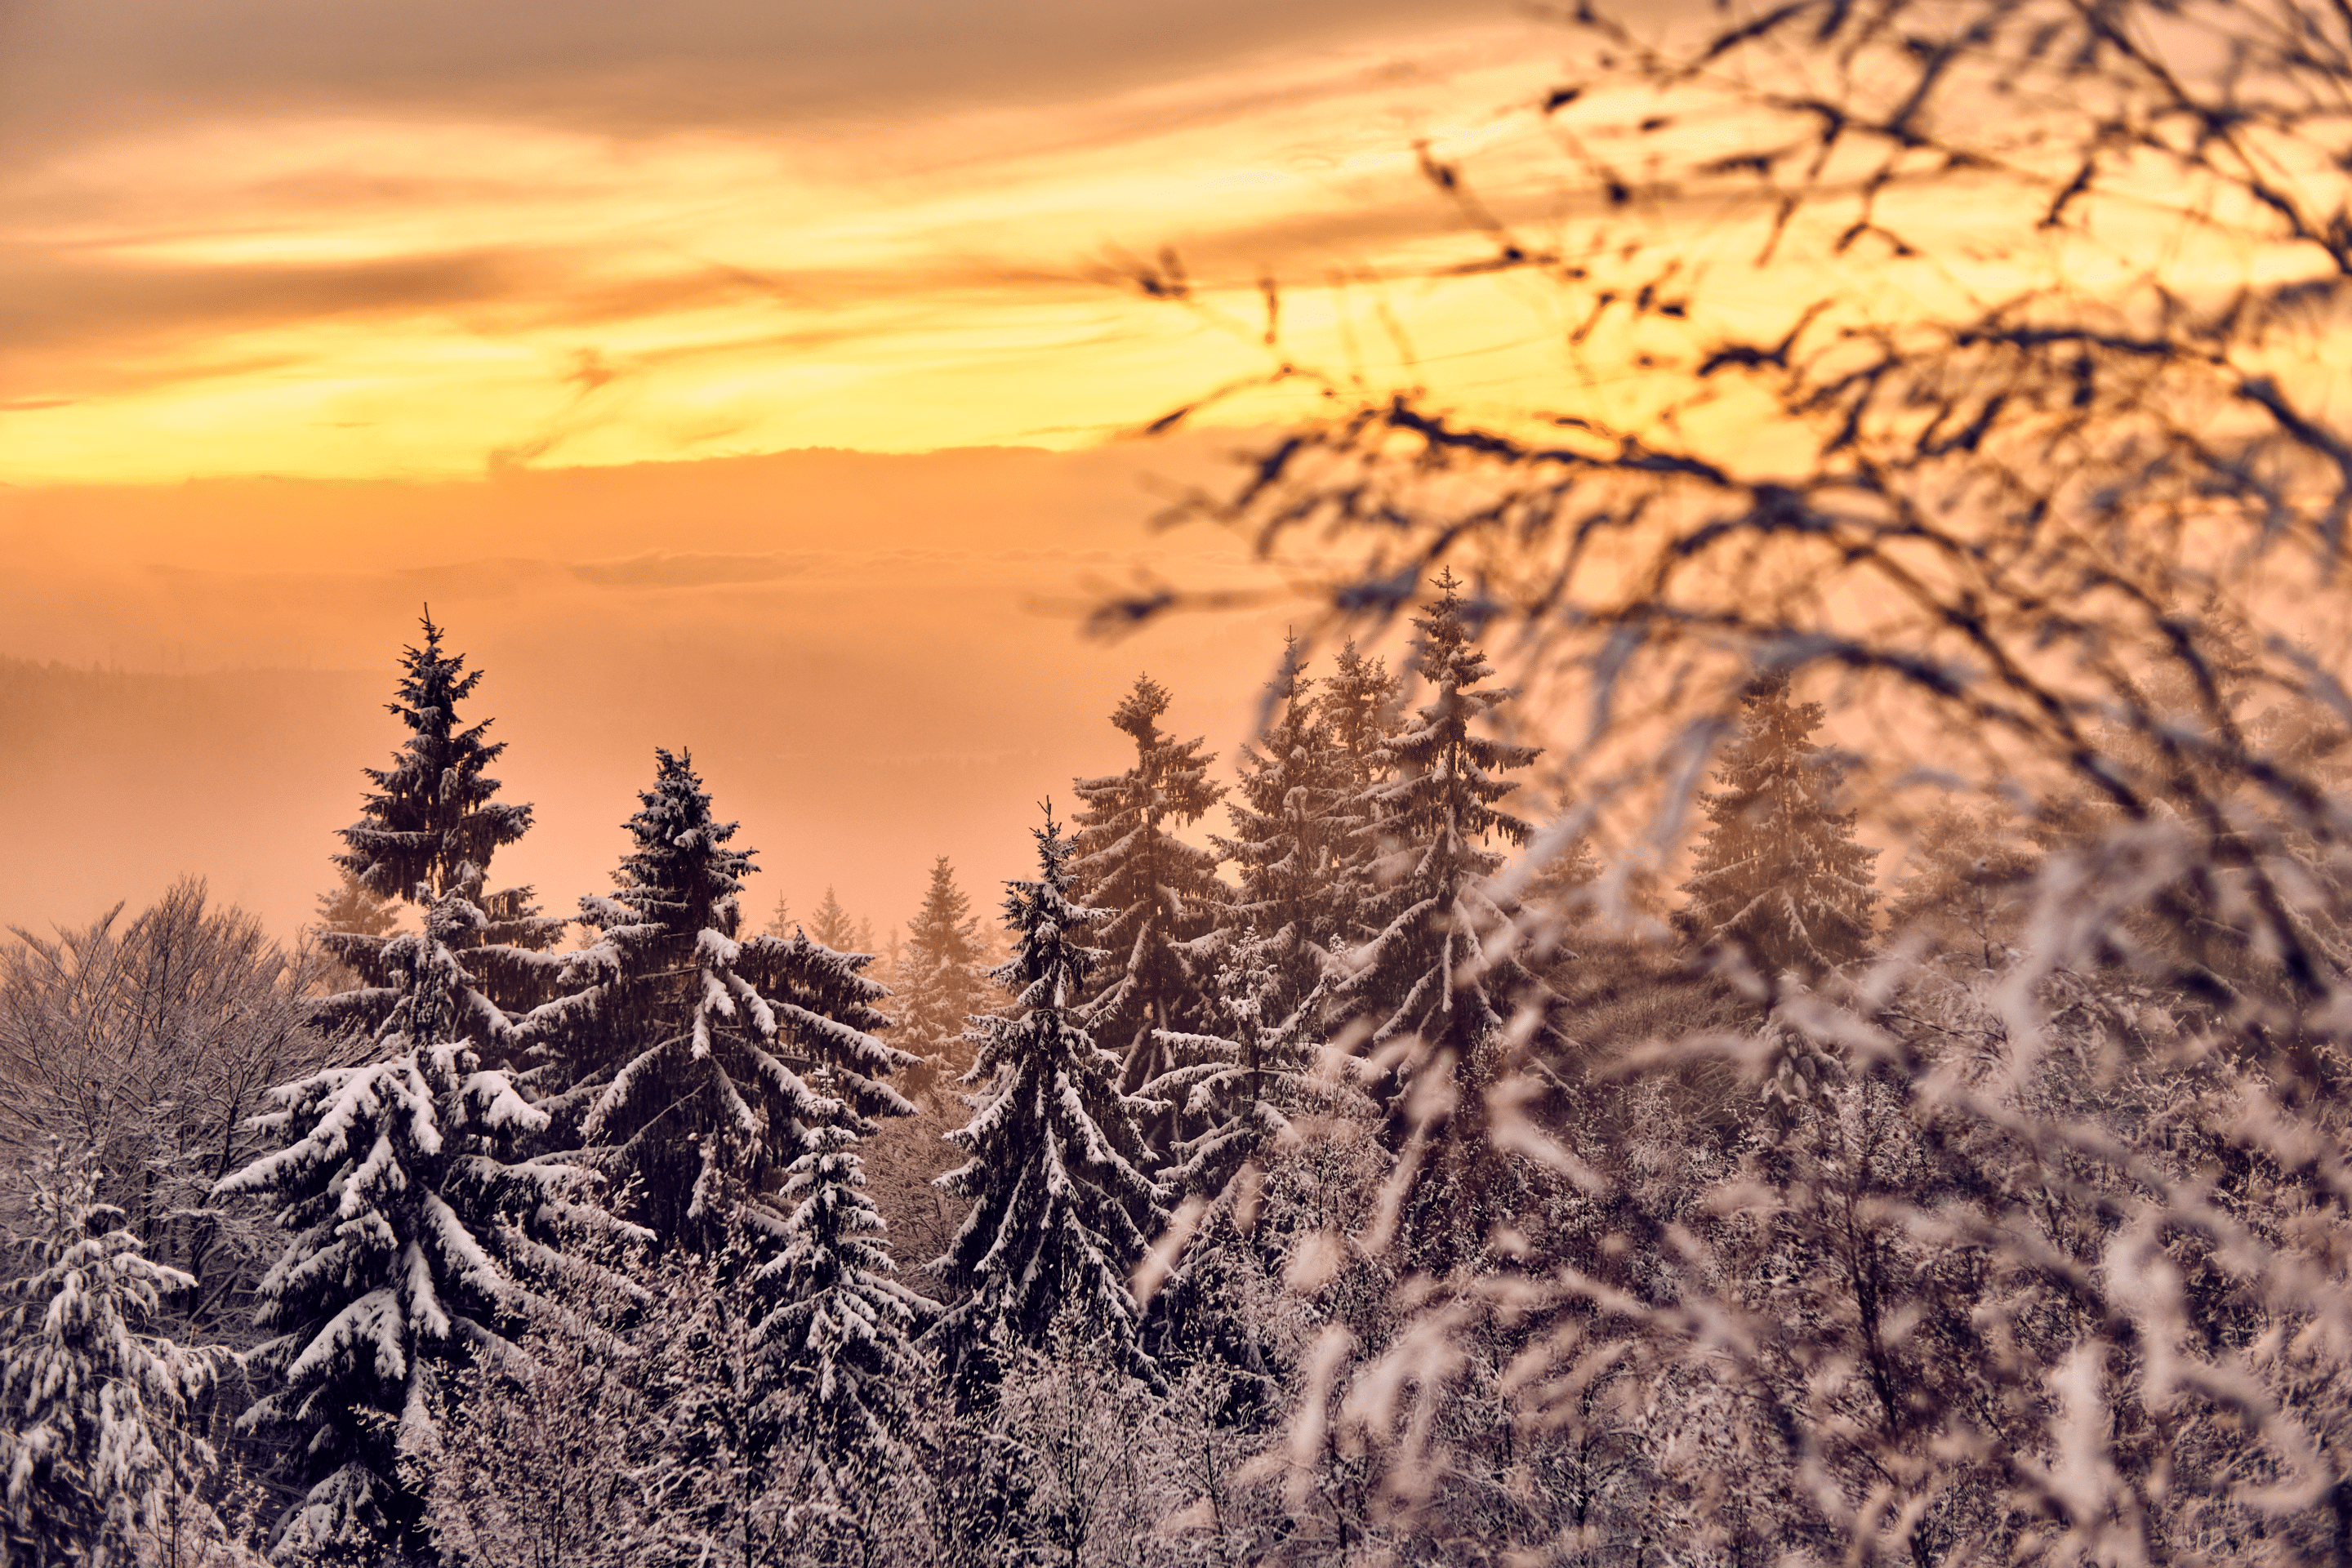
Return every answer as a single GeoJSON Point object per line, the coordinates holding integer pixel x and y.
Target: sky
{"type": "Point", "coordinates": [757, 378]}
{"type": "Point", "coordinates": [429, 239]}
{"type": "Point", "coordinates": [766, 378]}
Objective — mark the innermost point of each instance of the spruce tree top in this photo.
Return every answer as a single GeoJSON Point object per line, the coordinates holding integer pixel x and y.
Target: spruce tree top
{"type": "Point", "coordinates": [1446, 785]}
{"type": "Point", "coordinates": [939, 982]}
{"type": "Point", "coordinates": [679, 877]}
{"type": "Point", "coordinates": [1778, 874]}
{"type": "Point", "coordinates": [1169, 780]}
{"type": "Point", "coordinates": [1156, 890]}
{"type": "Point", "coordinates": [1424, 990]}
{"type": "Point", "coordinates": [944, 929]}
{"type": "Point", "coordinates": [1061, 1208]}
{"type": "Point", "coordinates": [432, 824]}
{"type": "Point", "coordinates": [830, 925]}
{"type": "Point", "coordinates": [1359, 705]}
{"type": "Point", "coordinates": [668, 936]}
{"type": "Point", "coordinates": [706, 1061]}
{"type": "Point", "coordinates": [1291, 829]}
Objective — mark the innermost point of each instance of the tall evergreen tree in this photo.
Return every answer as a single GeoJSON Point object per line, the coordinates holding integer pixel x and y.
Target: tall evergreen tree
{"type": "Point", "coordinates": [94, 1446]}
{"type": "Point", "coordinates": [944, 980]}
{"type": "Point", "coordinates": [1158, 893]}
{"type": "Point", "coordinates": [780, 920]}
{"type": "Point", "coordinates": [425, 835]}
{"type": "Point", "coordinates": [1290, 840]}
{"type": "Point", "coordinates": [1425, 1000]}
{"type": "Point", "coordinates": [1779, 876]}
{"type": "Point", "coordinates": [1061, 1208]}
{"type": "Point", "coordinates": [1358, 704]}
{"type": "Point", "coordinates": [704, 1064]}
{"type": "Point", "coordinates": [409, 1211]}
{"type": "Point", "coordinates": [413, 1222]}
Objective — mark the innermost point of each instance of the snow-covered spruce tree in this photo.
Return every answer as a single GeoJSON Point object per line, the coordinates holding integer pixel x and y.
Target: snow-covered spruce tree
{"type": "Point", "coordinates": [400, 1178]}
{"type": "Point", "coordinates": [943, 981]}
{"type": "Point", "coordinates": [1061, 1208]}
{"type": "Point", "coordinates": [1291, 838]}
{"type": "Point", "coordinates": [400, 1182]}
{"type": "Point", "coordinates": [1238, 1080]}
{"type": "Point", "coordinates": [1357, 704]}
{"type": "Point", "coordinates": [96, 1459]}
{"type": "Point", "coordinates": [1242, 1084]}
{"type": "Point", "coordinates": [837, 1352]}
{"type": "Point", "coordinates": [425, 835]}
{"type": "Point", "coordinates": [1156, 892]}
{"type": "Point", "coordinates": [688, 1055]}
{"type": "Point", "coordinates": [1779, 876]}
{"type": "Point", "coordinates": [1424, 999]}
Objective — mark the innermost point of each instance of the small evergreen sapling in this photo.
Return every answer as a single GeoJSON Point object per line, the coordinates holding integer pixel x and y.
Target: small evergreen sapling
{"type": "Point", "coordinates": [1061, 1208]}
{"type": "Point", "coordinates": [94, 1457]}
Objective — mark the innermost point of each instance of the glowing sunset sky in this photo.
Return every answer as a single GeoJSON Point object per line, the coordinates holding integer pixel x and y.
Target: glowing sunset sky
{"type": "Point", "coordinates": [309, 313]}
{"type": "Point", "coordinates": [376, 239]}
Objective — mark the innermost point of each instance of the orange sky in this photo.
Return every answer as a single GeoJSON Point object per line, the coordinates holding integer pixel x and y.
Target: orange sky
{"type": "Point", "coordinates": [864, 652]}
{"type": "Point", "coordinates": [730, 374]}
{"type": "Point", "coordinates": [309, 314]}
{"type": "Point", "coordinates": [371, 240]}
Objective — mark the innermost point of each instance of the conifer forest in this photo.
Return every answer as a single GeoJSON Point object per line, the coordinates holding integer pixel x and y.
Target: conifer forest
{"type": "Point", "coordinates": [1772, 985]}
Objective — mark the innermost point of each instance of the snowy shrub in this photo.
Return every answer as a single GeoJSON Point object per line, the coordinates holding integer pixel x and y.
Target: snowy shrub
{"type": "Point", "coordinates": [151, 1043]}
{"type": "Point", "coordinates": [98, 1458]}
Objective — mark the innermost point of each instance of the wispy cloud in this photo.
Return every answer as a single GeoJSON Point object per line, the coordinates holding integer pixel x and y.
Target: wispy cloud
{"type": "Point", "coordinates": [329, 261]}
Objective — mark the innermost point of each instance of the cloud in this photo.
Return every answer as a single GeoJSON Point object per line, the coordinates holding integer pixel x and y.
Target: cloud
{"type": "Point", "coordinates": [353, 240]}
{"type": "Point", "coordinates": [69, 69]}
